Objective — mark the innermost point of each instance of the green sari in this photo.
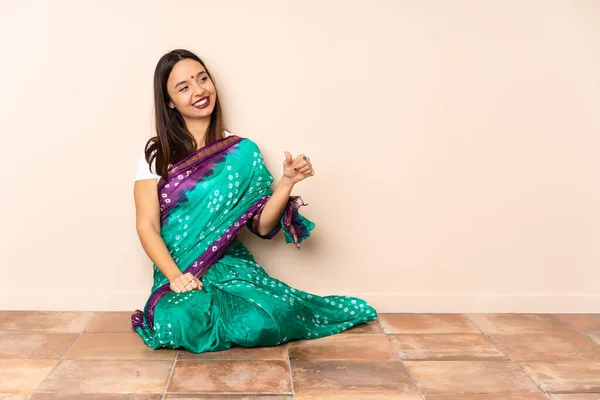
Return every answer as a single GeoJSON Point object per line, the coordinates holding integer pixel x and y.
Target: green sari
{"type": "Point", "coordinates": [205, 202]}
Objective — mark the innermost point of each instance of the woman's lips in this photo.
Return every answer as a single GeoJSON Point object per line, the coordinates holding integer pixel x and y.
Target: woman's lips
{"type": "Point", "coordinates": [201, 104]}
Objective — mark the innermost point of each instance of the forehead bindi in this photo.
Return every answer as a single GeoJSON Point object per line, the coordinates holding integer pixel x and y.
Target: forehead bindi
{"type": "Point", "coordinates": [202, 72]}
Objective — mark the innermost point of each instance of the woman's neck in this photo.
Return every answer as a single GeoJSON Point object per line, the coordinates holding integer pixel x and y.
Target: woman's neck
{"type": "Point", "coordinates": [198, 129]}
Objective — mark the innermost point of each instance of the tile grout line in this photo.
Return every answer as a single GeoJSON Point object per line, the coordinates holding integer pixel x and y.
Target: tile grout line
{"type": "Point", "coordinates": [60, 360]}
{"type": "Point", "coordinates": [170, 375]}
{"type": "Point", "coordinates": [402, 362]}
{"type": "Point", "coordinates": [287, 352]}
{"type": "Point", "coordinates": [572, 327]}
{"type": "Point", "coordinates": [505, 354]}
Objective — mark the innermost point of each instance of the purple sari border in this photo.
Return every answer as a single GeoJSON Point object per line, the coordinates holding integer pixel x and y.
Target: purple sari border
{"type": "Point", "coordinates": [172, 190]}
{"type": "Point", "coordinates": [295, 230]}
{"type": "Point", "coordinates": [216, 250]}
{"type": "Point", "coordinates": [137, 319]}
{"type": "Point", "coordinates": [204, 153]}
{"type": "Point", "coordinates": [200, 265]}
{"type": "Point", "coordinates": [253, 226]}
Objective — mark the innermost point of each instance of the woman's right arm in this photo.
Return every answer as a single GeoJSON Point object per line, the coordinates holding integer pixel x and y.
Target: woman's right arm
{"type": "Point", "coordinates": [147, 211]}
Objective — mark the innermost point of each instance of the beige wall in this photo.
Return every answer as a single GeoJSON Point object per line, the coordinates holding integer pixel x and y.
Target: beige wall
{"type": "Point", "coordinates": [455, 145]}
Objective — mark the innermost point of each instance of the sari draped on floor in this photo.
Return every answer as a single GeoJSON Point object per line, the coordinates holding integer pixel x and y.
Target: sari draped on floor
{"type": "Point", "coordinates": [205, 201]}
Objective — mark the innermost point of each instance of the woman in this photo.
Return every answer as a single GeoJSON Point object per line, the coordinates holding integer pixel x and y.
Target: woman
{"type": "Point", "coordinates": [197, 187]}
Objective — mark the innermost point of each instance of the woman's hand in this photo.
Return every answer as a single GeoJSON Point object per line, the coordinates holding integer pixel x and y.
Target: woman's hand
{"type": "Point", "coordinates": [297, 169]}
{"type": "Point", "coordinates": [185, 283]}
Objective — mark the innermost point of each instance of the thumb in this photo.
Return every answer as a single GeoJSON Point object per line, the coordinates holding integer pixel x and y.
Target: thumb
{"type": "Point", "coordinates": [288, 158]}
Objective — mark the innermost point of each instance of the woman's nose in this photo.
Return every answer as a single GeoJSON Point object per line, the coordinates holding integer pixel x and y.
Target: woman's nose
{"type": "Point", "coordinates": [197, 89]}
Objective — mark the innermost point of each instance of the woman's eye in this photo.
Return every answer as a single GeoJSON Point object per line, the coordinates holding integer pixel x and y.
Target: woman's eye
{"type": "Point", "coordinates": [181, 90]}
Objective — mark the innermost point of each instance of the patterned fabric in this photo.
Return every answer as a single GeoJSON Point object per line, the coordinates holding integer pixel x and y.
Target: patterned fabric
{"type": "Point", "coordinates": [205, 202]}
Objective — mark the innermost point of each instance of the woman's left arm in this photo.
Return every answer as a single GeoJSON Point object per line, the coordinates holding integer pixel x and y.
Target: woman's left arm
{"type": "Point", "coordinates": [294, 170]}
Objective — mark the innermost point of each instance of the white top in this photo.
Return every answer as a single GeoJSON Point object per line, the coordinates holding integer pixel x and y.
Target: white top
{"type": "Point", "coordinates": [143, 172]}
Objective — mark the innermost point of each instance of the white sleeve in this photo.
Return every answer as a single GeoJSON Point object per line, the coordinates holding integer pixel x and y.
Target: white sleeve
{"type": "Point", "coordinates": [143, 171]}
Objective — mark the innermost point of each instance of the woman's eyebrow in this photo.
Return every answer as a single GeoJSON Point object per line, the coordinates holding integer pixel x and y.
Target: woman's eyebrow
{"type": "Point", "coordinates": [197, 75]}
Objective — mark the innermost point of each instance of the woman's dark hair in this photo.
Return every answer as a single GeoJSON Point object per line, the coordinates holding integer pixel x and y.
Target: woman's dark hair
{"type": "Point", "coordinates": [173, 142]}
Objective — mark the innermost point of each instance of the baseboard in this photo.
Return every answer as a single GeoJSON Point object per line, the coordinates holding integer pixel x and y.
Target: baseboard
{"type": "Point", "coordinates": [484, 302]}
{"type": "Point", "coordinates": [73, 301]}
{"type": "Point", "coordinates": [383, 302]}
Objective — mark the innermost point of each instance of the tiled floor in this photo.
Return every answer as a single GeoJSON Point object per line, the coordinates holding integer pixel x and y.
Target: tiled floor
{"type": "Point", "coordinates": [86, 355]}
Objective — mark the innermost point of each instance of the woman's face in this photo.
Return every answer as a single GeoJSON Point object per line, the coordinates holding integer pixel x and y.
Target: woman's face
{"type": "Point", "coordinates": [191, 90]}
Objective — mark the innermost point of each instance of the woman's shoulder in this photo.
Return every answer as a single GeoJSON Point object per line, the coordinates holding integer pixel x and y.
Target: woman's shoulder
{"type": "Point", "coordinates": [145, 170]}
{"type": "Point", "coordinates": [143, 154]}
{"type": "Point", "coordinates": [249, 143]}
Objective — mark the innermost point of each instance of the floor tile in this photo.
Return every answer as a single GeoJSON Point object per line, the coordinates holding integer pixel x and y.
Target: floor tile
{"type": "Point", "coordinates": [13, 396]}
{"type": "Point", "coordinates": [470, 377]}
{"type": "Point", "coordinates": [45, 321]}
{"type": "Point", "coordinates": [490, 397]}
{"type": "Point", "coordinates": [547, 347]}
{"type": "Point", "coordinates": [594, 336]}
{"type": "Point", "coordinates": [446, 347]}
{"type": "Point", "coordinates": [586, 323]}
{"type": "Point", "coordinates": [111, 322]}
{"type": "Point", "coordinates": [348, 377]}
{"type": "Point", "coordinates": [239, 353]}
{"type": "Point", "coordinates": [446, 354]}
{"type": "Point", "coordinates": [95, 396]}
{"type": "Point", "coordinates": [519, 323]}
{"type": "Point", "coordinates": [115, 346]}
{"type": "Point", "coordinates": [426, 323]}
{"type": "Point", "coordinates": [231, 376]}
{"type": "Point", "coordinates": [228, 397]}
{"type": "Point", "coordinates": [102, 376]}
{"type": "Point", "coordinates": [372, 327]}
{"type": "Point", "coordinates": [35, 345]}
{"type": "Point", "coordinates": [343, 347]}
{"type": "Point", "coordinates": [23, 375]}
{"type": "Point", "coordinates": [359, 396]}
{"type": "Point", "coordinates": [565, 376]}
